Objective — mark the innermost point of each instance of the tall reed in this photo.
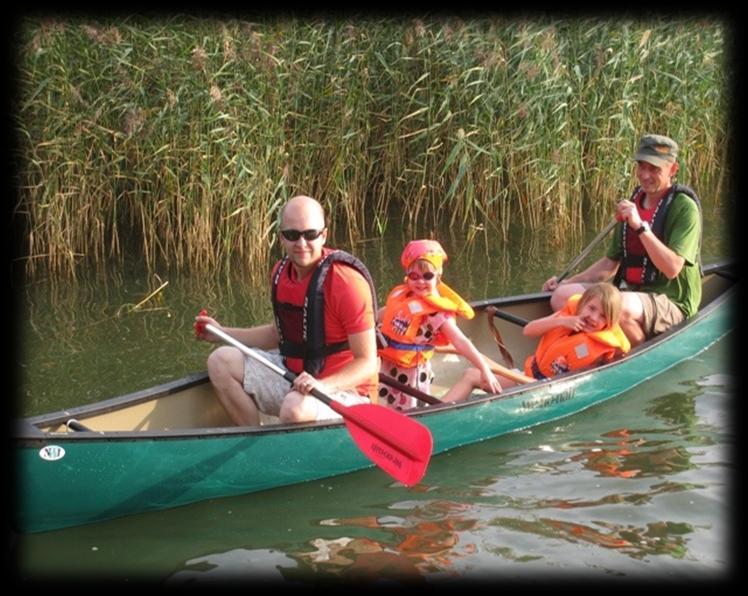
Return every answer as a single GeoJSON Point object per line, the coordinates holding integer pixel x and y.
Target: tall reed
{"type": "Point", "coordinates": [178, 139]}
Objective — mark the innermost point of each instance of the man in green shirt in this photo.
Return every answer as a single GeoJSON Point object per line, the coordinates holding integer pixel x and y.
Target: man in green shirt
{"type": "Point", "coordinates": [654, 253]}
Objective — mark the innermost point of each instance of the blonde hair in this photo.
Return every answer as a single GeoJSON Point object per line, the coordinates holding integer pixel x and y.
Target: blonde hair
{"type": "Point", "coordinates": [610, 301]}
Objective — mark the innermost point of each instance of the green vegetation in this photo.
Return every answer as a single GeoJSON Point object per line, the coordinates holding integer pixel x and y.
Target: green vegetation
{"type": "Point", "coordinates": [178, 138]}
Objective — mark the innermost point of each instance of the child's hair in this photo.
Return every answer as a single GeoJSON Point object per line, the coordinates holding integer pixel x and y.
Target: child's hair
{"type": "Point", "coordinates": [610, 300]}
{"type": "Point", "coordinates": [424, 265]}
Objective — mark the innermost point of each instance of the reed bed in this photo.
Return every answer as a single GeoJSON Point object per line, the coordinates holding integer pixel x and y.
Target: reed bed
{"type": "Point", "coordinates": [176, 140]}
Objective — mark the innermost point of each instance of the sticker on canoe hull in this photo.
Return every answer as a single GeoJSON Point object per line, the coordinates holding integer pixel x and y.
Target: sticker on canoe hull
{"type": "Point", "coordinates": [51, 452]}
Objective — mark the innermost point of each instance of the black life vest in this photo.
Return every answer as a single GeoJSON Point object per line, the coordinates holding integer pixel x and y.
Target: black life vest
{"type": "Point", "coordinates": [301, 328]}
{"type": "Point", "coordinates": [640, 260]}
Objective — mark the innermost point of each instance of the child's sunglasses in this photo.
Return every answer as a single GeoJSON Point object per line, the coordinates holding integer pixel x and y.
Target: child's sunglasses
{"type": "Point", "coordinates": [427, 275]}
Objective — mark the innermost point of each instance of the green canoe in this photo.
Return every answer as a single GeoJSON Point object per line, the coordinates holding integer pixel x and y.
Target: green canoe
{"type": "Point", "coordinates": [172, 444]}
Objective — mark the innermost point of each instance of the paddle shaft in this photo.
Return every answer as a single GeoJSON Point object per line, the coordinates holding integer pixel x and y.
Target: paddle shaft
{"type": "Point", "coordinates": [507, 316]}
{"type": "Point", "coordinates": [583, 255]}
{"type": "Point", "coordinates": [495, 367]}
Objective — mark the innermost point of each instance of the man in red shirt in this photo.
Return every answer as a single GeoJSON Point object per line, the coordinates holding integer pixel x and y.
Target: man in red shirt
{"type": "Point", "coordinates": [331, 347]}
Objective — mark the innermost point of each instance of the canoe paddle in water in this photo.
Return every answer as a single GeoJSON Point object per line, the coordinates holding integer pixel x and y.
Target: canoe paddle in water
{"type": "Point", "coordinates": [397, 444]}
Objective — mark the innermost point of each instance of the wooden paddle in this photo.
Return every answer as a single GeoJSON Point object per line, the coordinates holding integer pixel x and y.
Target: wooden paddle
{"type": "Point", "coordinates": [397, 444]}
{"type": "Point", "coordinates": [595, 241]}
{"type": "Point", "coordinates": [495, 367]}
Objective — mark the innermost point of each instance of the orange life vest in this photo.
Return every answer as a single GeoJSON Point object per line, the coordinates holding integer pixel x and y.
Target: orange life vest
{"type": "Point", "coordinates": [403, 316]}
{"type": "Point", "coordinates": [561, 349]}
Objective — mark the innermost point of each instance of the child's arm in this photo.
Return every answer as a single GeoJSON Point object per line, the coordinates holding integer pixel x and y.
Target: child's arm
{"type": "Point", "coordinates": [543, 325]}
{"type": "Point", "coordinates": [465, 347]}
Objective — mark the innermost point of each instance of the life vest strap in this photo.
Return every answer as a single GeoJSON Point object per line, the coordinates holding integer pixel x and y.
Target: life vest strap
{"type": "Point", "coordinates": [391, 343]}
{"type": "Point", "coordinates": [536, 370]}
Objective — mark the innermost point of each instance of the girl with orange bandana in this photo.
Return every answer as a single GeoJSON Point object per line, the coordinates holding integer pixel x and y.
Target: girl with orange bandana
{"type": "Point", "coordinates": [419, 315]}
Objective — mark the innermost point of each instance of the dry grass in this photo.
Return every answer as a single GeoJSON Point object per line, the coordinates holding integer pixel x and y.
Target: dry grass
{"type": "Point", "coordinates": [178, 139]}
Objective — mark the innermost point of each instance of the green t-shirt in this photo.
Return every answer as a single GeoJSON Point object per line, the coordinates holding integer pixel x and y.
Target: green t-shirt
{"type": "Point", "coordinates": [682, 233]}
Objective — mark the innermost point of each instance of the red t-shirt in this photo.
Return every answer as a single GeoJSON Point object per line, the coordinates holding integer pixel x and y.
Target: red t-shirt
{"type": "Point", "coordinates": [348, 310]}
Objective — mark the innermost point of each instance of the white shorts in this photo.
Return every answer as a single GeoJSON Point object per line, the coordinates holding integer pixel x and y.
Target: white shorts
{"type": "Point", "coordinates": [269, 389]}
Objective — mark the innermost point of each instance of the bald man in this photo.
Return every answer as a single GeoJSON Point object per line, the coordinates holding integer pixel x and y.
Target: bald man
{"type": "Point", "coordinates": [324, 331]}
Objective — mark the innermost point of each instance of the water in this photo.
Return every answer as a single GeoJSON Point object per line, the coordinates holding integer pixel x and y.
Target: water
{"type": "Point", "coordinates": [636, 488]}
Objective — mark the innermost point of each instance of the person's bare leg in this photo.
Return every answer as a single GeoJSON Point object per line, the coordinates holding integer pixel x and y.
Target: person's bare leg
{"type": "Point", "coordinates": [297, 407]}
{"type": "Point", "coordinates": [462, 389]}
{"type": "Point", "coordinates": [562, 294]}
{"type": "Point", "coordinates": [632, 318]}
{"type": "Point", "coordinates": [226, 372]}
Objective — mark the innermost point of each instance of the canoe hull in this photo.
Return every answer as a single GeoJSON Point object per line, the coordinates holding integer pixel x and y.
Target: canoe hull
{"type": "Point", "coordinates": [97, 480]}
{"type": "Point", "coordinates": [66, 479]}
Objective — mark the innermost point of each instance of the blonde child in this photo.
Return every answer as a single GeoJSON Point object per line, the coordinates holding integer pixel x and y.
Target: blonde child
{"type": "Point", "coordinates": [585, 332]}
{"type": "Point", "coordinates": [419, 315]}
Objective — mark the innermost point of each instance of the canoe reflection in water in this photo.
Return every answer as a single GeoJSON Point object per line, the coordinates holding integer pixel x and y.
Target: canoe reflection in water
{"type": "Point", "coordinates": [423, 542]}
{"type": "Point", "coordinates": [632, 456]}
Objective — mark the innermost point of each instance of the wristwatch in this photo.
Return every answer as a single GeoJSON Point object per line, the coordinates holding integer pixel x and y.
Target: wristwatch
{"type": "Point", "coordinates": [643, 228]}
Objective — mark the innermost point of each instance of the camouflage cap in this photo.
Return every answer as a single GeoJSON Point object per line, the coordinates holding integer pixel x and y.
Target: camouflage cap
{"type": "Point", "coordinates": [657, 149]}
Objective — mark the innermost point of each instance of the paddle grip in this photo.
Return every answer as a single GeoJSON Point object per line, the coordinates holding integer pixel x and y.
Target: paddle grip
{"type": "Point", "coordinates": [200, 327]}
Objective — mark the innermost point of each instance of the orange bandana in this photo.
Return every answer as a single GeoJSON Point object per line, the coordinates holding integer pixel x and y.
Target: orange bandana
{"type": "Point", "coordinates": [428, 250]}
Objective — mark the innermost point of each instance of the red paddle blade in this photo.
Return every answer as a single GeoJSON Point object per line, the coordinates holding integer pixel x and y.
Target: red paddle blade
{"type": "Point", "coordinates": [397, 444]}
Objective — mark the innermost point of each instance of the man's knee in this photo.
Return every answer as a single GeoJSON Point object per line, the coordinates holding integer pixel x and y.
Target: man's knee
{"type": "Point", "coordinates": [224, 361]}
{"type": "Point", "coordinates": [632, 329]}
{"type": "Point", "coordinates": [296, 408]}
{"type": "Point", "coordinates": [632, 318]}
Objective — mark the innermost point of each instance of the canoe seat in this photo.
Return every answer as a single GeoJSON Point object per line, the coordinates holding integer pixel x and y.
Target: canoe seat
{"type": "Point", "coordinates": [76, 426]}
{"type": "Point", "coordinates": [508, 317]}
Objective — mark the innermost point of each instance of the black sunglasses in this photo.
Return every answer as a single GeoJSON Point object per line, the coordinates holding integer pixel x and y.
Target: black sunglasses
{"type": "Point", "coordinates": [294, 235]}
{"type": "Point", "coordinates": [427, 275]}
